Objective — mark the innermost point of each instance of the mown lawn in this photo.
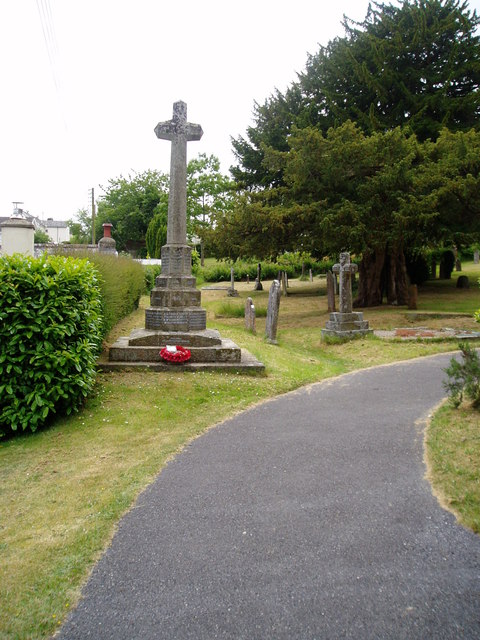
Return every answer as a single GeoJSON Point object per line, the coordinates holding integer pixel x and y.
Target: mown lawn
{"type": "Point", "coordinates": [64, 489]}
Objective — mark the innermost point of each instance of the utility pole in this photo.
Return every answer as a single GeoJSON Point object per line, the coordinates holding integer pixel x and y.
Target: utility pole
{"type": "Point", "coordinates": [93, 215]}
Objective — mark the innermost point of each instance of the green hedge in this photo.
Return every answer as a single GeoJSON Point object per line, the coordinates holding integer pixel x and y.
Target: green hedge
{"type": "Point", "coordinates": [122, 282]}
{"type": "Point", "coordinates": [50, 334]}
{"type": "Point", "coordinates": [291, 263]}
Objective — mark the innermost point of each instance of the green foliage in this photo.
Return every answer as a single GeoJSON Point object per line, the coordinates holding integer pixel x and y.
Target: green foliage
{"type": "Point", "coordinates": [122, 282]}
{"type": "Point", "coordinates": [81, 227]}
{"type": "Point", "coordinates": [130, 204]}
{"type": "Point", "coordinates": [50, 333]}
{"type": "Point", "coordinates": [156, 235]}
{"type": "Point", "coordinates": [228, 309]}
{"type": "Point", "coordinates": [464, 377]}
{"type": "Point", "coordinates": [415, 65]}
{"type": "Point", "coordinates": [151, 271]}
{"type": "Point", "coordinates": [41, 237]}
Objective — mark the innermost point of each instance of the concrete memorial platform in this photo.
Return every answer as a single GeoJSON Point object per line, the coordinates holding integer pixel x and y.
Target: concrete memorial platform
{"type": "Point", "coordinates": [175, 316]}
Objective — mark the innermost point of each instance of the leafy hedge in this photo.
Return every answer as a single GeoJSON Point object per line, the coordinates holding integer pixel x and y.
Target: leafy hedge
{"type": "Point", "coordinates": [50, 334]}
{"type": "Point", "coordinates": [122, 282]}
{"type": "Point", "coordinates": [289, 262]}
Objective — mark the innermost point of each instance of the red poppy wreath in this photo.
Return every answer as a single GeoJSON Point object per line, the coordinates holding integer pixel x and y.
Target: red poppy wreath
{"type": "Point", "coordinates": [175, 353]}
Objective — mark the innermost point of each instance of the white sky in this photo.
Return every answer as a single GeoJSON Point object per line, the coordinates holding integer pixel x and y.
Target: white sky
{"type": "Point", "coordinates": [119, 65]}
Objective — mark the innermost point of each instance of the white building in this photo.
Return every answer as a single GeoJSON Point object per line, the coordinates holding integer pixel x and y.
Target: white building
{"type": "Point", "coordinates": [57, 230]}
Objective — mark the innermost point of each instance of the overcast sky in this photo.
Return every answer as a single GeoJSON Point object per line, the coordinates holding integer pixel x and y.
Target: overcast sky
{"type": "Point", "coordinates": [84, 82]}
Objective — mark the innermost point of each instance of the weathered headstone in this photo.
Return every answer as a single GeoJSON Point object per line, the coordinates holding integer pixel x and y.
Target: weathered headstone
{"type": "Point", "coordinates": [258, 284]}
{"type": "Point", "coordinates": [330, 292]}
{"type": "Point", "coordinates": [476, 256]}
{"type": "Point", "coordinates": [412, 296]}
{"type": "Point", "coordinates": [284, 283]}
{"type": "Point", "coordinates": [345, 323]}
{"type": "Point", "coordinates": [250, 315]}
{"type": "Point", "coordinates": [458, 265]}
{"type": "Point", "coordinates": [272, 312]}
{"type": "Point", "coordinates": [345, 270]}
{"type": "Point", "coordinates": [231, 291]}
{"type": "Point", "coordinates": [463, 282]}
{"type": "Point", "coordinates": [310, 274]}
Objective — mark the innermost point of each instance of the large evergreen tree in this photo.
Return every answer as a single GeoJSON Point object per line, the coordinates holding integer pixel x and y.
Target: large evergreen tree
{"type": "Point", "coordinates": [416, 64]}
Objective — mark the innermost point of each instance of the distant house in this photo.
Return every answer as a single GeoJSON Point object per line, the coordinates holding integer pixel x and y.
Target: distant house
{"type": "Point", "coordinates": [57, 230]}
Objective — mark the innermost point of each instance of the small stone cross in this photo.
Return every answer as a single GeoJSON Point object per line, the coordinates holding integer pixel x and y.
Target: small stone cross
{"type": "Point", "coordinates": [345, 270]}
{"type": "Point", "coordinates": [179, 132]}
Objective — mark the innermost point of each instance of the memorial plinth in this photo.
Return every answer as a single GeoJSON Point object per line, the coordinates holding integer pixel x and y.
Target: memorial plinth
{"type": "Point", "coordinates": [175, 315]}
{"type": "Point", "coordinates": [346, 323]}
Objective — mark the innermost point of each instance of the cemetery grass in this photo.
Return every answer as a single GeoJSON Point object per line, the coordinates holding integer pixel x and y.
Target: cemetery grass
{"type": "Point", "coordinates": [65, 488]}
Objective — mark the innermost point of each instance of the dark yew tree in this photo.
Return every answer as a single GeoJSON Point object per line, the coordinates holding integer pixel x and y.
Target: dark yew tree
{"type": "Point", "coordinates": [416, 64]}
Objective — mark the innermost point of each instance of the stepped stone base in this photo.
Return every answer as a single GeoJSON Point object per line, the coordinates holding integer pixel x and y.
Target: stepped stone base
{"type": "Point", "coordinates": [346, 325]}
{"type": "Point", "coordinates": [209, 351]}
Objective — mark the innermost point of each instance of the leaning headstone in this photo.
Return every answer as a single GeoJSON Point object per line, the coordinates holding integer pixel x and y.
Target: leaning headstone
{"type": "Point", "coordinates": [330, 291]}
{"type": "Point", "coordinates": [231, 291]}
{"type": "Point", "coordinates": [346, 323]}
{"type": "Point", "coordinates": [258, 284]}
{"type": "Point", "coordinates": [250, 316]}
{"type": "Point", "coordinates": [284, 283]}
{"type": "Point", "coordinates": [272, 312]}
{"type": "Point", "coordinates": [476, 256]}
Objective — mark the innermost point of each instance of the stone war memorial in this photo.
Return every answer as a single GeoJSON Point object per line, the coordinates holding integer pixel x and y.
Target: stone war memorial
{"type": "Point", "coordinates": [175, 317]}
{"type": "Point", "coordinates": [346, 323]}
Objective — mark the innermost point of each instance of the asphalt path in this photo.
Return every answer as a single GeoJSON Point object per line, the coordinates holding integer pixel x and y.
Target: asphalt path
{"type": "Point", "coordinates": [308, 516]}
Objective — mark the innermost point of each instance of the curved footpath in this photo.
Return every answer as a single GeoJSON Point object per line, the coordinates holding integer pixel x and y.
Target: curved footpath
{"type": "Point", "coordinates": [305, 517]}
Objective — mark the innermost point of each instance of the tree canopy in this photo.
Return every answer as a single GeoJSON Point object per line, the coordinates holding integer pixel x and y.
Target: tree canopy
{"type": "Point", "coordinates": [415, 65]}
{"type": "Point", "coordinates": [374, 149]}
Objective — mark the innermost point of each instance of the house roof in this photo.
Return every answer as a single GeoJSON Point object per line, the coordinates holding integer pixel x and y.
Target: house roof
{"type": "Point", "coordinates": [55, 224]}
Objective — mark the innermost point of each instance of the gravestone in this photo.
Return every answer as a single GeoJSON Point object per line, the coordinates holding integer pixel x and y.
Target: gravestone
{"type": "Point", "coordinates": [175, 316]}
{"type": "Point", "coordinates": [272, 312]}
{"type": "Point", "coordinates": [463, 282]}
{"type": "Point", "coordinates": [412, 296]}
{"type": "Point", "coordinates": [476, 256]}
{"type": "Point", "coordinates": [330, 292]}
{"type": "Point", "coordinates": [250, 315]}
{"type": "Point", "coordinates": [284, 283]}
{"type": "Point", "coordinates": [231, 291]}
{"type": "Point", "coordinates": [310, 274]}
{"type": "Point", "coordinates": [258, 284]}
{"type": "Point", "coordinates": [346, 323]}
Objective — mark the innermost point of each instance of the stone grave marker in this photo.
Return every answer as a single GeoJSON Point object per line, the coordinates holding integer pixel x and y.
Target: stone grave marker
{"type": "Point", "coordinates": [231, 291]}
{"type": "Point", "coordinates": [345, 323]}
{"type": "Point", "coordinates": [476, 256]}
{"type": "Point", "coordinates": [250, 315]}
{"type": "Point", "coordinates": [258, 284]}
{"type": "Point", "coordinates": [330, 292]}
{"type": "Point", "coordinates": [272, 312]}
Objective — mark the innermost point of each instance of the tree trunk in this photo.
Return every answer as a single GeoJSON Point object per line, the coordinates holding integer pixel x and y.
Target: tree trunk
{"type": "Point", "coordinates": [370, 285]}
{"type": "Point", "coordinates": [380, 272]}
{"type": "Point", "coordinates": [396, 280]}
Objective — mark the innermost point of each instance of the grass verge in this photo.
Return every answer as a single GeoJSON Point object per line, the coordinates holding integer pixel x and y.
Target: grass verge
{"type": "Point", "coordinates": [453, 459]}
{"type": "Point", "coordinates": [63, 490]}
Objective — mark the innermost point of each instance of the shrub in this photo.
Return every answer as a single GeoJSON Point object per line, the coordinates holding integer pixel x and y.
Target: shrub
{"type": "Point", "coordinates": [50, 334]}
{"type": "Point", "coordinates": [122, 282]}
{"type": "Point", "coordinates": [151, 271]}
{"type": "Point", "coordinates": [464, 377]}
